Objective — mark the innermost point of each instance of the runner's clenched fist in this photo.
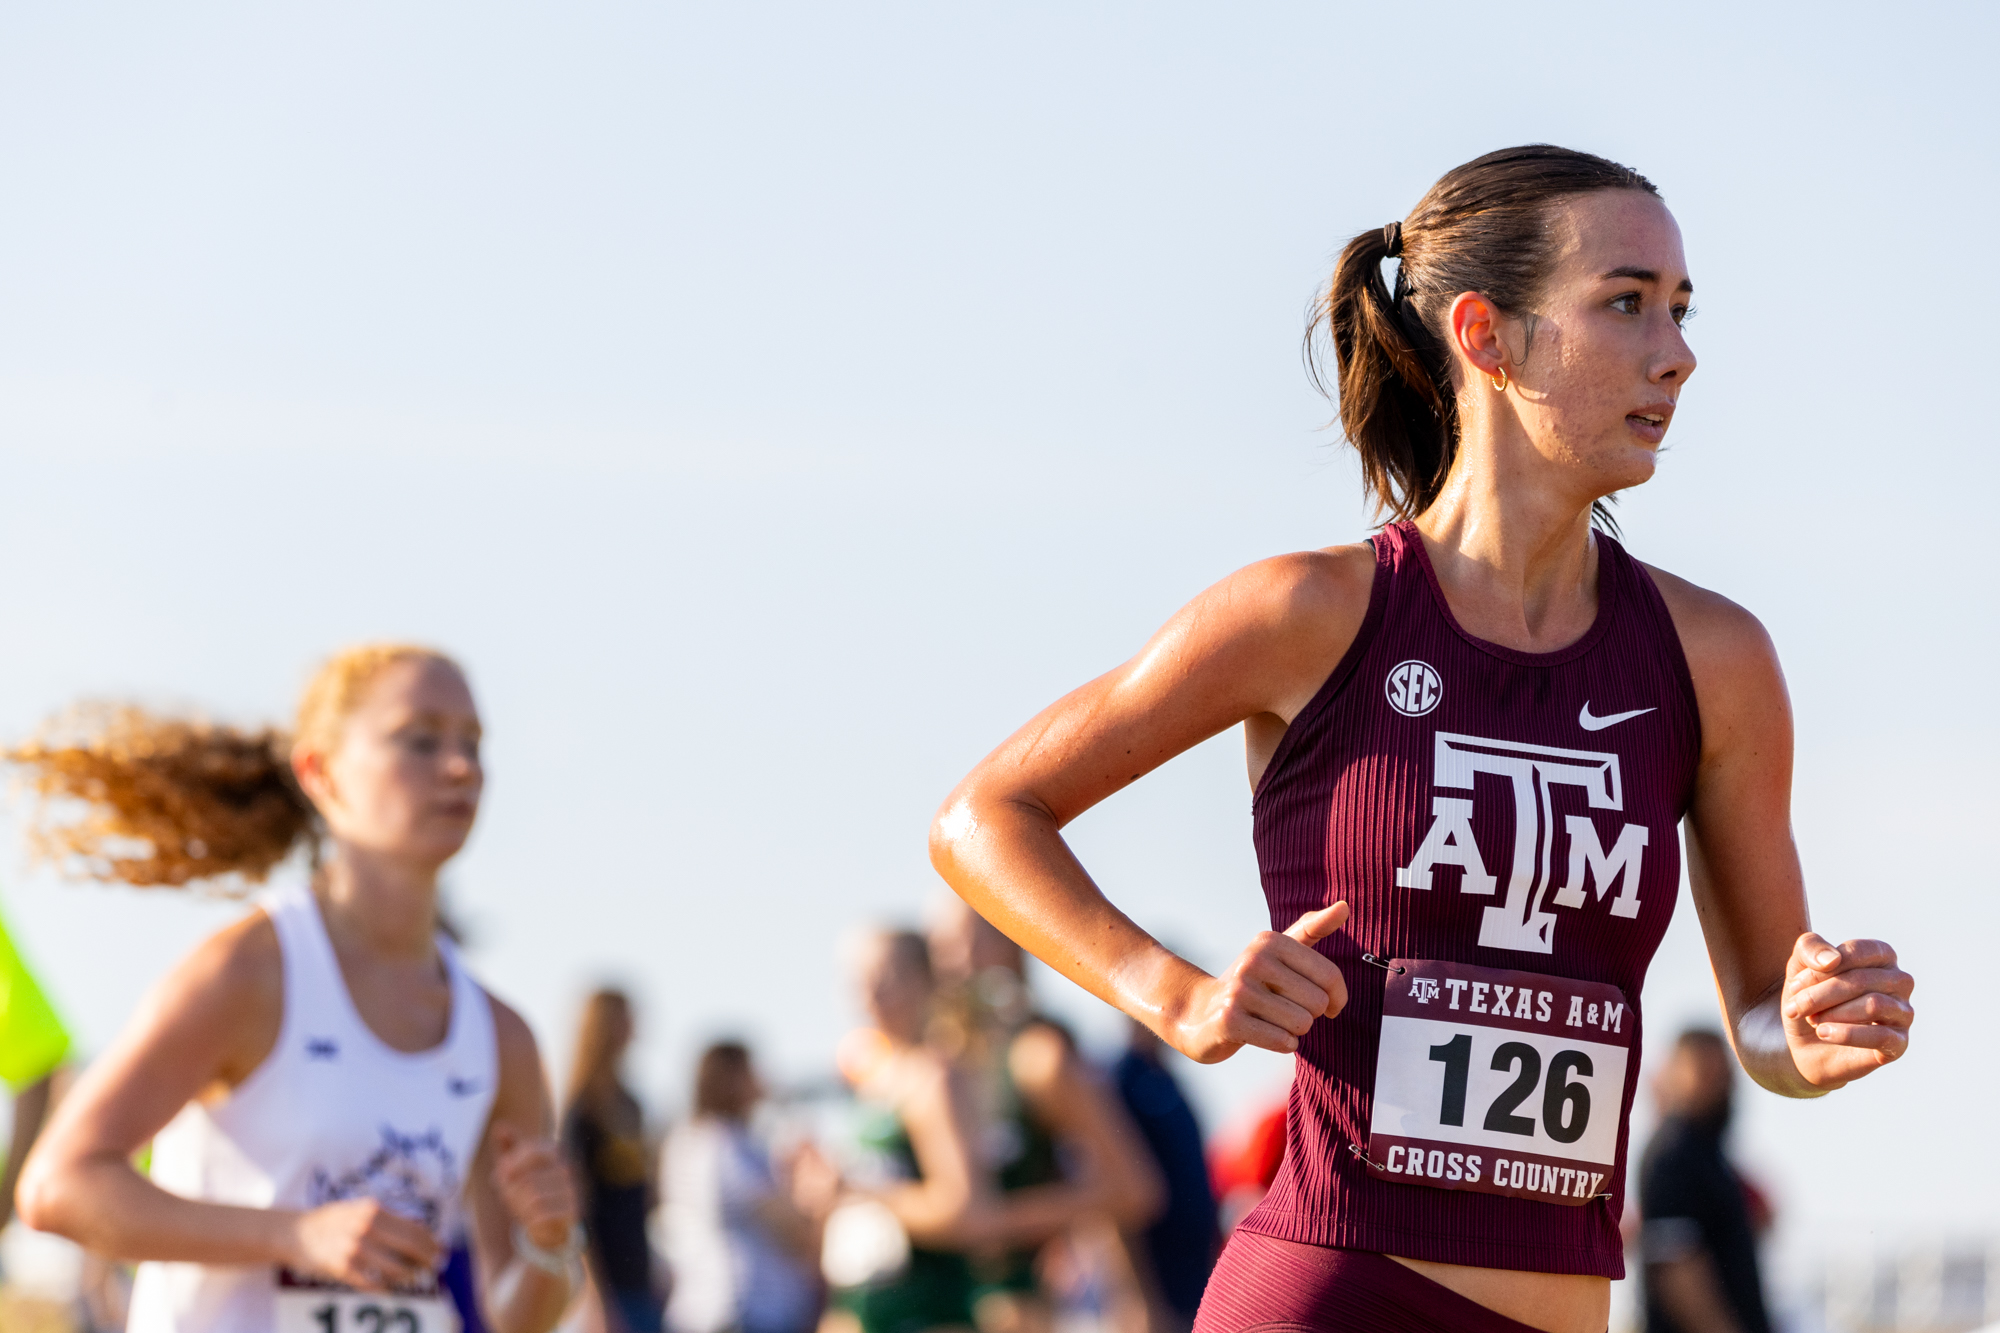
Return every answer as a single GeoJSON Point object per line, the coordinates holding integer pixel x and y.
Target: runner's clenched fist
{"type": "Point", "coordinates": [535, 1184]}
{"type": "Point", "coordinates": [363, 1244]}
{"type": "Point", "coordinates": [1270, 996]}
{"type": "Point", "coordinates": [1846, 1008]}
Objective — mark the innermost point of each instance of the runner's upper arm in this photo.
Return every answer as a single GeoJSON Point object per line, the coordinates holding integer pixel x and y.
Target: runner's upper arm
{"type": "Point", "coordinates": [208, 1025]}
{"type": "Point", "coordinates": [1746, 715]}
{"type": "Point", "coordinates": [520, 1099]}
{"type": "Point", "coordinates": [1743, 865]}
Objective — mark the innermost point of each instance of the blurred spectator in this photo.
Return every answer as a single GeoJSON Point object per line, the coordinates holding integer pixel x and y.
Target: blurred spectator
{"type": "Point", "coordinates": [33, 1042]}
{"type": "Point", "coordinates": [1243, 1164]}
{"type": "Point", "coordinates": [604, 1133]}
{"type": "Point", "coordinates": [895, 1245]}
{"type": "Point", "coordinates": [739, 1250]}
{"type": "Point", "coordinates": [51, 1282]}
{"type": "Point", "coordinates": [31, 1110]}
{"type": "Point", "coordinates": [1177, 1251]}
{"type": "Point", "coordinates": [1056, 1138]}
{"type": "Point", "coordinates": [1696, 1239]}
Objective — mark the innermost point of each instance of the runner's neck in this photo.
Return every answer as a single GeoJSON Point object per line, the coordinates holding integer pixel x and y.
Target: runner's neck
{"type": "Point", "coordinates": [384, 904]}
{"type": "Point", "coordinates": [1526, 582]}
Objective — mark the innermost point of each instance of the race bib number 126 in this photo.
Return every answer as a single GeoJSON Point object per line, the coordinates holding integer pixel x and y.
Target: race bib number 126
{"type": "Point", "coordinates": [1497, 1081]}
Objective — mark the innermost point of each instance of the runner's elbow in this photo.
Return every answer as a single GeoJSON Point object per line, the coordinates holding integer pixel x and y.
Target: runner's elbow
{"type": "Point", "coordinates": [952, 832]}
{"type": "Point", "coordinates": [71, 1195]}
{"type": "Point", "coordinates": [978, 820]}
{"type": "Point", "coordinates": [48, 1197]}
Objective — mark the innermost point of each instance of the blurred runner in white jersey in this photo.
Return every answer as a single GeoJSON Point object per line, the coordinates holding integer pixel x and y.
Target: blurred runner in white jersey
{"type": "Point", "coordinates": [325, 1085]}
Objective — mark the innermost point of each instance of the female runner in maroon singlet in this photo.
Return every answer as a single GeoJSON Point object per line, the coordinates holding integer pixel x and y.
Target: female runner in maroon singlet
{"type": "Point", "coordinates": [1470, 740]}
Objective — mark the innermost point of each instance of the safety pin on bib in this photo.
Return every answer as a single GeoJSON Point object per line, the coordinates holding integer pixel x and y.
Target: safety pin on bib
{"type": "Point", "coordinates": [1362, 1153]}
{"type": "Point", "coordinates": [1382, 963]}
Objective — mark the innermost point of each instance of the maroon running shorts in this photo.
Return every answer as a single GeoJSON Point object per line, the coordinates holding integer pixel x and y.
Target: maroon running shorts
{"type": "Point", "coordinates": [1265, 1285]}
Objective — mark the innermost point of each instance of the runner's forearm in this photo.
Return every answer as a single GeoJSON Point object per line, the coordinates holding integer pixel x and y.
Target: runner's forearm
{"type": "Point", "coordinates": [1009, 861]}
{"type": "Point", "coordinates": [1758, 1031]}
{"type": "Point", "coordinates": [107, 1207]}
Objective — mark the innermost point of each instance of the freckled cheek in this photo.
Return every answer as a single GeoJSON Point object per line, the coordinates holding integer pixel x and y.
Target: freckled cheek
{"type": "Point", "coordinates": [1578, 413]}
{"type": "Point", "coordinates": [1567, 393]}
{"type": "Point", "coordinates": [1580, 387]}
{"type": "Point", "coordinates": [1567, 369]}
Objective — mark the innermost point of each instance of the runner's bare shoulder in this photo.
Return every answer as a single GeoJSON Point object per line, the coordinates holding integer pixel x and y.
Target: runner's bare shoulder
{"type": "Point", "coordinates": [1308, 603]}
{"type": "Point", "coordinates": [1729, 653]}
{"type": "Point", "coordinates": [227, 996]}
{"type": "Point", "coordinates": [520, 1067]}
{"type": "Point", "coordinates": [240, 964]}
{"type": "Point", "coordinates": [1297, 613]}
{"type": "Point", "coordinates": [1332, 583]}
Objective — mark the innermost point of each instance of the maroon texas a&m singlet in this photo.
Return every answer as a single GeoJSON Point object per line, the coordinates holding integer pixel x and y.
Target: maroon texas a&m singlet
{"type": "Point", "coordinates": [1503, 826]}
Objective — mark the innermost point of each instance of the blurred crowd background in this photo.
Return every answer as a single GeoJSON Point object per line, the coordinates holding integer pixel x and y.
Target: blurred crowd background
{"type": "Point", "coordinates": [772, 405]}
{"type": "Point", "coordinates": [966, 1167]}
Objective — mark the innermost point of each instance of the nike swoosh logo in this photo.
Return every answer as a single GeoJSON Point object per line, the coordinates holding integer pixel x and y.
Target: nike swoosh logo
{"type": "Point", "coordinates": [1589, 723]}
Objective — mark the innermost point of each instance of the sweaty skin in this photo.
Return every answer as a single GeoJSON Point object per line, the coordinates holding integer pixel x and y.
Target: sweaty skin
{"type": "Point", "coordinates": [1588, 400]}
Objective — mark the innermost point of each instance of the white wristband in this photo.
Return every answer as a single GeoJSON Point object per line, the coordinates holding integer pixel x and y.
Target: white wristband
{"type": "Point", "coordinates": [561, 1262]}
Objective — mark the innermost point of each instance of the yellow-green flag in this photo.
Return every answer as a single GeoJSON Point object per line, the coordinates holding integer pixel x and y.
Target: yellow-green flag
{"type": "Point", "coordinates": [33, 1039]}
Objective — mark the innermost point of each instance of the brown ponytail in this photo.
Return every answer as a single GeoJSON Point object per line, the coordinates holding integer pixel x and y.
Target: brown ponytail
{"type": "Point", "coordinates": [164, 801]}
{"type": "Point", "coordinates": [1482, 228]}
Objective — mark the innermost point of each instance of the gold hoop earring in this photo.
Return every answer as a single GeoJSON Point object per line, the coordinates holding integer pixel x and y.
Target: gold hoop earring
{"type": "Point", "coordinates": [1500, 381]}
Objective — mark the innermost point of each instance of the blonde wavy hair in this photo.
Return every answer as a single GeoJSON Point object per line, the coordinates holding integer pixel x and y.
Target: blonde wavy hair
{"type": "Point", "coordinates": [121, 794]}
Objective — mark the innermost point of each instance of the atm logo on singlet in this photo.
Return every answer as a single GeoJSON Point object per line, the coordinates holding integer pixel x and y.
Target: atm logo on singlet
{"type": "Point", "coordinates": [1534, 773]}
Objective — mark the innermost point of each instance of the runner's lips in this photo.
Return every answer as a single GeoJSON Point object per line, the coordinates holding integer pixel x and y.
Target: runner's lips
{"type": "Point", "coordinates": [1651, 421]}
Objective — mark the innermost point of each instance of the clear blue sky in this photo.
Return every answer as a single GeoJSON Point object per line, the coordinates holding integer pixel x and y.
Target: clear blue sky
{"type": "Point", "coordinates": [774, 405]}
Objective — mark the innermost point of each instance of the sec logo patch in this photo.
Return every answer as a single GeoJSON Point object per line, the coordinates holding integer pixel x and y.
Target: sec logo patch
{"type": "Point", "coordinates": [1413, 688]}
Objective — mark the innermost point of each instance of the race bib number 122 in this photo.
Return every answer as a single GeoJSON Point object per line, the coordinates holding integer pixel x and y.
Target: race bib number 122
{"type": "Point", "coordinates": [1498, 1081]}
{"type": "Point", "coordinates": [336, 1310]}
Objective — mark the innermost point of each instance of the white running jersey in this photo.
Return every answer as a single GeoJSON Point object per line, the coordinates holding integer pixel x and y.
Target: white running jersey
{"type": "Point", "coordinates": [333, 1113]}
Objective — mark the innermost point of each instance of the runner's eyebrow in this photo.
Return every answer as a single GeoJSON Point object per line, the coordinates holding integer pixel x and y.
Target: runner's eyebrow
{"type": "Point", "coordinates": [1645, 275]}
